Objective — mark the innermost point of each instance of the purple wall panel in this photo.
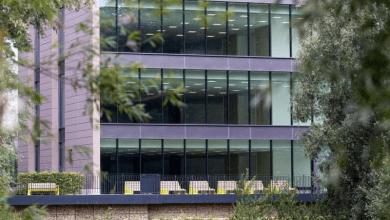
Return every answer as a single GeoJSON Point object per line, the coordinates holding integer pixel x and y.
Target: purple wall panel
{"type": "Point", "coordinates": [239, 133]}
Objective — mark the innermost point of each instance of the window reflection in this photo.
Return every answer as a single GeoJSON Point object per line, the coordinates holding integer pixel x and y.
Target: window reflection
{"type": "Point", "coordinates": [107, 23]}
{"type": "Point", "coordinates": [127, 24]}
{"type": "Point", "coordinates": [302, 165]}
{"type": "Point", "coordinates": [281, 159]}
{"type": "Point", "coordinates": [216, 97]}
{"type": "Point", "coordinates": [195, 96]}
{"type": "Point", "coordinates": [173, 29]}
{"type": "Point", "coordinates": [281, 114]}
{"type": "Point", "coordinates": [152, 96]}
{"type": "Point", "coordinates": [260, 157]}
{"type": "Point", "coordinates": [280, 31]}
{"type": "Point", "coordinates": [259, 30]}
{"type": "Point", "coordinates": [238, 97]}
{"type": "Point", "coordinates": [194, 30]}
{"type": "Point", "coordinates": [172, 79]}
{"type": "Point", "coordinates": [260, 98]}
{"type": "Point", "coordinates": [296, 14]}
{"type": "Point", "coordinates": [128, 156]}
{"type": "Point", "coordinates": [150, 24]}
{"type": "Point", "coordinates": [108, 155]}
{"type": "Point", "coordinates": [151, 157]}
{"type": "Point", "coordinates": [216, 31]}
{"type": "Point", "coordinates": [238, 29]}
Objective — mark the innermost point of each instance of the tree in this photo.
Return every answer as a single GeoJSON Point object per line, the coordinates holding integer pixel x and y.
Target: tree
{"type": "Point", "coordinates": [343, 79]}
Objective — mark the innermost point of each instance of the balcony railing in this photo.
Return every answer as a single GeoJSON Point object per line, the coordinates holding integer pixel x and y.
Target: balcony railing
{"type": "Point", "coordinates": [165, 185]}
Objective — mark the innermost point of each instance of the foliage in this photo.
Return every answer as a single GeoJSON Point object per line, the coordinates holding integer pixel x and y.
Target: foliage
{"type": "Point", "coordinates": [343, 79]}
{"type": "Point", "coordinates": [68, 182]}
{"type": "Point", "coordinates": [32, 212]}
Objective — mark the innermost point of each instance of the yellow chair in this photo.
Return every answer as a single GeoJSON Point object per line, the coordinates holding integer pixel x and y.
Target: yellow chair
{"type": "Point", "coordinates": [131, 186]}
{"type": "Point", "coordinates": [43, 187]}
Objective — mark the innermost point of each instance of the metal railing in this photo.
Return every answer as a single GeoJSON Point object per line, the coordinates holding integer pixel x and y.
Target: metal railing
{"type": "Point", "coordinates": [130, 184]}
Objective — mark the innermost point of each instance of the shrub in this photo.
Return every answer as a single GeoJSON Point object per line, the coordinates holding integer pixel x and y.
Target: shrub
{"type": "Point", "coordinates": [68, 182]}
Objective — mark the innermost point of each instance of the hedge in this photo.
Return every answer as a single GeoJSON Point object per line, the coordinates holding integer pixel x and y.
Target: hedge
{"type": "Point", "coordinates": [69, 182]}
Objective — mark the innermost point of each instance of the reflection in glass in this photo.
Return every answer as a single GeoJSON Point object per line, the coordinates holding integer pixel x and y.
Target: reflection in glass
{"type": "Point", "coordinates": [294, 90]}
{"type": "Point", "coordinates": [113, 111]}
{"type": "Point", "coordinates": [301, 165]}
{"type": "Point", "coordinates": [238, 29]}
{"type": "Point", "coordinates": [239, 156]}
{"type": "Point", "coordinates": [172, 79]}
{"type": "Point", "coordinates": [259, 29]}
{"type": "Point", "coordinates": [217, 157]}
{"type": "Point", "coordinates": [281, 114]}
{"type": "Point", "coordinates": [173, 157]}
{"type": "Point", "coordinates": [195, 96]}
{"type": "Point", "coordinates": [152, 97]}
{"type": "Point", "coordinates": [173, 28]}
{"type": "Point", "coordinates": [151, 157]}
{"type": "Point", "coordinates": [216, 97]}
{"type": "Point", "coordinates": [281, 159]}
{"type": "Point", "coordinates": [108, 155]}
{"type": "Point", "coordinates": [150, 25]}
{"type": "Point", "coordinates": [260, 98]}
{"type": "Point", "coordinates": [132, 79]}
{"type": "Point", "coordinates": [107, 23]}
{"type": "Point", "coordinates": [296, 14]}
{"type": "Point", "coordinates": [128, 156]}
{"type": "Point", "coordinates": [196, 157]}
{"type": "Point", "coordinates": [216, 31]}
{"type": "Point", "coordinates": [260, 158]}
{"type": "Point", "coordinates": [127, 24]}
{"type": "Point", "coordinates": [194, 30]}
{"type": "Point", "coordinates": [238, 97]}
{"type": "Point", "coordinates": [280, 31]}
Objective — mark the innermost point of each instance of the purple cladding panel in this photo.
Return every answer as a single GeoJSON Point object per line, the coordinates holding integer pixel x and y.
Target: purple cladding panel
{"type": "Point", "coordinates": [136, 131]}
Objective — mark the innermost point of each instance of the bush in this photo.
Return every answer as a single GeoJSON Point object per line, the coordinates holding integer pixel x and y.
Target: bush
{"type": "Point", "coordinates": [68, 182]}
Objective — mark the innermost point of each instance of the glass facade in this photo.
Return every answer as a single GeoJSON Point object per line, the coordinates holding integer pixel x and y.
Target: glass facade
{"type": "Point", "coordinates": [221, 28]}
{"type": "Point", "coordinates": [170, 157]}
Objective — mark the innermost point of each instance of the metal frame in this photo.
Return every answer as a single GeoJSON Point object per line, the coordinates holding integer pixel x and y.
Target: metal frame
{"type": "Point", "coordinates": [61, 94]}
{"type": "Point", "coordinates": [37, 79]}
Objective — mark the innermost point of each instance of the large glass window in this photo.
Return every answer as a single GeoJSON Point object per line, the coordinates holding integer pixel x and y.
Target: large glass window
{"type": "Point", "coordinates": [296, 14]}
{"type": "Point", "coordinates": [281, 114]}
{"type": "Point", "coordinates": [150, 24]}
{"type": "Point", "coordinates": [132, 79]}
{"type": "Point", "coordinates": [216, 97]}
{"type": "Point", "coordinates": [261, 158]}
{"type": "Point", "coordinates": [238, 29]}
{"type": "Point", "coordinates": [280, 31]}
{"type": "Point", "coordinates": [216, 28]}
{"type": "Point", "coordinates": [217, 157]}
{"type": "Point", "coordinates": [128, 156]}
{"type": "Point", "coordinates": [171, 80]}
{"type": "Point", "coordinates": [195, 96]}
{"type": "Point", "coordinates": [238, 97]}
{"type": "Point", "coordinates": [194, 29]}
{"type": "Point", "coordinates": [127, 24]}
{"type": "Point", "coordinates": [108, 156]}
{"type": "Point", "coordinates": [173, 157]}
{"type": "Point", "coordinates": [299, 123]}
{"type": "Point", "coordinates": [239, 156]}
{"type": "Point", "coordinates": [302, 170]}
{"type": "Point", "coordinates": [260, 98]}
{"type": "Point", "coordinates": [151, 157]}
{"type": "Point", "coordinates": [173, 28]}
{"type": "Point", "coordinates": [111, 116]}
{"type": "Point", "coordinates": [281, 159]}
{"type": "Point", "coordinates": [108, 24]}
{"type": "Point", "coordinates": [152, 96]}
{"type": "Point", "coordinates": [196, 157]}
{"type": "Point", "coordinates": [259, 29]}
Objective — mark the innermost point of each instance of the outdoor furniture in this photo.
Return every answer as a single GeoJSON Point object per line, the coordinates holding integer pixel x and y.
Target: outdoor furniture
{"type": "Point", "coordinates": [170, 186]}
{"type": "Point", "coordinates": [43, 187]}
{"type": "Point", "coordinates": [132, 186]}
{"type": "Point", "coordinates": [225, 186]}
{"type": "Point", "coordinates": [256, 187]}
{"type": "Point", "coordinates": [200, 186]}
{"type": "Point", "coordinates": [280, 185]}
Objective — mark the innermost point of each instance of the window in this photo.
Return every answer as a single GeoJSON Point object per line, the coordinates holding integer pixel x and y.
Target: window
{"type": "Point", "coordinates": [108, 156]}
{"type": "Point", "coordinates": [259, 29]}
{"type": "Point", "coordinates": [217, 157]}
{"type": "Point", "coordinates": [260, 98]}
{"type": "Point", "coordinates": [108, 24]}
{"type": "Point", "coordinates": [173, 29]}
{"type": "Point", "coordinates": [280, 31]}
{"type": "Point", "coordinates": [151, 157]}
{"type": "Point", "coordinates": [195, 42]}
{"type": "Point", "coordinates": [239, 156]}
{"type": "Point", "coordinates": [216, 97]}
{"type": "Point", "coordinates": [196, 157]}
{"type": "Point", "coordinates": [260, 158]}
{"type": "Point", "coordinates": [238, 29]}
{"type": "Point", "coordinates": [152, 97]}
{"type": "Point", "coordinates": [171, 80]}
{"type": "Point", "coordinates": [281, 159]}
{"type": "Point", "coordinates": [127, 24]}
{"type": "Point", "coordinates": [302, 166]}
{"type": "Point", "coordinates": [128, 156]}
{"type": "Point", "coordinates": [173, 157]}
{"type": "Point", "coordinates": [281, 114]}
{"type": "Point", "coordinates": [195, 97]}
{"type": "Point", "coordinates": [238, 97]}
{"type": "Point", "coordinates": [150, 24]}
{"type": "Point", "coordinates": [296, 14]}
{"type": "Point", "coordinates": [216, 28]}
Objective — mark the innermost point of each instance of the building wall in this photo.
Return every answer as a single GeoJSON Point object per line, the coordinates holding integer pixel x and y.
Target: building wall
{"type": "Point", "coordinates": [140, 212]}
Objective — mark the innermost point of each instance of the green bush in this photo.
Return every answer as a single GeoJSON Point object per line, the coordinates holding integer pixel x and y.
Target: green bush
{"type": "Point", "coordinates": [68, 182]}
